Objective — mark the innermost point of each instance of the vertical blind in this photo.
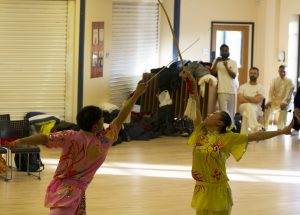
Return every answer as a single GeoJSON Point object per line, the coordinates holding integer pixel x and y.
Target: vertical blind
{"type": "Point", "coordinates": [134, 45]}
{"type": "Point", "coordinates": [33, 38]}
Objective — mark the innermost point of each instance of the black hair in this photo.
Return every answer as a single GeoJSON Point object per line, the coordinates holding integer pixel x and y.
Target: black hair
{"type": "Point", "coordinates": [282, 67]}
{"type": "Point", "coordinates": [255, 68]}
{"type": "Point", "coordinates": [88, 116]}
{"type": "Point", "coordinates": [226, 119]}
{"type": "Point", "coordinates": [224, 46]}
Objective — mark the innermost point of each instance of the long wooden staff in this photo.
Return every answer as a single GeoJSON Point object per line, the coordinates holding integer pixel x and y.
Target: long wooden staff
{"type": "Point", "coordinates": [191, 105]}
{"type": "Point", "coordinates": [172, 61]}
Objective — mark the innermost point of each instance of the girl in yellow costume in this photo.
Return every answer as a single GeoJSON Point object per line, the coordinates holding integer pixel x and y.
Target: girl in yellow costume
{"type": "Point", "coordinates": [213, 143]}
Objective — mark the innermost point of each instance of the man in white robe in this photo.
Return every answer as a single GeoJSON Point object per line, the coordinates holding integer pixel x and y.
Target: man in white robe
{"type": "Point", "coordinates": [280, 94]}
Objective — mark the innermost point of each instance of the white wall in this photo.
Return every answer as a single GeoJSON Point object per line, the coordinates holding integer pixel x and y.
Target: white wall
{"type": "Point", "coordinates": [272, 35]}
{"type": "Point", "coordinates": [292, 52]}
{"type": "Point", "coordinates": [166, 39]}
{"type": "Point", "coordinates": [289, 10]}
{"type": "Point", "coordinates": [196, 17]}
{"type": "Point", "coordinates": [271, 19]}
{"type": "Point", "coordinates": [266, 41]}
{"type": "Point", "coordinates": [96, 90]}
{"type": "Point", "coordinates": [195, 22]}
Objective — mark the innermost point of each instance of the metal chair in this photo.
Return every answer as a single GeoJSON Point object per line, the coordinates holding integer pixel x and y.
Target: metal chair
{"type": "Point", "coordinates": [4, 117]}
{"type": "Point", "coordinates": [19, 129]}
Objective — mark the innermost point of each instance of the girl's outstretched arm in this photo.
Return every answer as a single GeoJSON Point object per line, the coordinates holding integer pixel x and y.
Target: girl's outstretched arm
{"type": "Point", "coordinates": [195, 96]}
{"type": "Point", "coordinates": [36, 139]}
{"type": "Point", "coordinates": [263, 135]}
{"type": "Point", "coordinates": [129, 103]}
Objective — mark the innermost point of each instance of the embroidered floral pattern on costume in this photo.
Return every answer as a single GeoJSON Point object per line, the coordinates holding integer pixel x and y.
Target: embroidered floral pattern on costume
{"type": "Point", "coordinates": [209, 148]}
{"type": "Point", "coordinates": [104, 140]}
{"type": "Point", "coordinates": [81, 156]}
{"type": "Point", "coordinates": [199, 188]}
{"type": "Point", "coordinates": [107, 136]}
{"type": "Point", "coordinates": [82, 205]}
{"type": "Point", "coordinates": [73, 155]}
{"type": "Point", "coordinates": [57, 139]}
{"type": "Point", "coordinates": [217, 175]}
{"type": "Point", "coordinates": [218, 145]}
{"type": "Point", "coordinates": [67, 189]}
{"type": "Point", "coordinates": [197, 176]}
{"type": "Point", "coordinates": [202, 140]}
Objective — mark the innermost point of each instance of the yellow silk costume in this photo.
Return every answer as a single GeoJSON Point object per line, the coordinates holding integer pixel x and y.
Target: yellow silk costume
{"type": "Point", "coordinates": [211, 150]}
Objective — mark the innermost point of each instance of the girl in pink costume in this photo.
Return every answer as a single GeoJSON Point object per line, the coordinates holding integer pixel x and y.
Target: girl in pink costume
{"type": "Point", "coordinates": [83, 152]}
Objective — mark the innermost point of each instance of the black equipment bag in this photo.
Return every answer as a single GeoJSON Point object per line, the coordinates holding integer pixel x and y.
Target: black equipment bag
{"type": "Point", "coordinates": [35, 162]}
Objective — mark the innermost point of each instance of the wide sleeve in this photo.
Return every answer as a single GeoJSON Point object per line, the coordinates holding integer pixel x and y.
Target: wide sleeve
{"type": "Point", "coordinates": [236, 144]}
{"type": "Point", "coordinates": [197, 133]}
{"type": "Point", "coordinates": [57, 139]}
{"type": "Point", "coordinates": [109, 135]}
{"type": "Point", "coordinates": [289, 92]}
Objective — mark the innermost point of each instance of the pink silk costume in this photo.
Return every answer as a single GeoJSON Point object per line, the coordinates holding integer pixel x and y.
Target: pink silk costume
{"type": "Point", "coordinates": [81, 157]}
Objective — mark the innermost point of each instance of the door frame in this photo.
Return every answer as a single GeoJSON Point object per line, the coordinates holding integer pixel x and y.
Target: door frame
{"type": "Point", "coordinates": [251, 35]}
{"type": "Point", "coordinates": [298, 60]}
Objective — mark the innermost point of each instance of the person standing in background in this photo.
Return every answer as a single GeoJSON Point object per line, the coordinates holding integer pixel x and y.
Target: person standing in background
{"type": "Point", "coordinates": [226, 71]}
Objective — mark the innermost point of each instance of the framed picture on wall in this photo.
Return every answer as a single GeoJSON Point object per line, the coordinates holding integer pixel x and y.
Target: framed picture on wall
{"type": "Point", "coordinates": [97, 49]}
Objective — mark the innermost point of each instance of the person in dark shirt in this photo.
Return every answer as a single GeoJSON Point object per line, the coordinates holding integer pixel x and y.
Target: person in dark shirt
{"type": "Point", "coordinates": [297, 110]}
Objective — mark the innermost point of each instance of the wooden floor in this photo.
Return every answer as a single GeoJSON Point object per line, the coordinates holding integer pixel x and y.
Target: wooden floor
{"type": "Point", "coordinates": [153, 178]}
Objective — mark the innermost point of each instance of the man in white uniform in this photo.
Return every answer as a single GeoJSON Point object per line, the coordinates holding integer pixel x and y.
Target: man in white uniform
{"type": "Point", "coordinates": [250, 96]}
{"type": "Point", "coordinates": [226, 71]}
{"type": "Point", "coordinates": [280, 94]}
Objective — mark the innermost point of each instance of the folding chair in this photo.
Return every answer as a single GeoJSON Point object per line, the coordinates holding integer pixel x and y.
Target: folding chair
{"type": "Point", "coordinates": [4, 117]}
{"type": "Point", "coordinates": [19, 129]}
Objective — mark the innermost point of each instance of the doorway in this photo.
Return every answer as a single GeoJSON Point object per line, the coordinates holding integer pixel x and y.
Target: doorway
{"type": "Point", "coordinates": [239, 37]}
{"type": "Point", "coordinates": [293, 52]}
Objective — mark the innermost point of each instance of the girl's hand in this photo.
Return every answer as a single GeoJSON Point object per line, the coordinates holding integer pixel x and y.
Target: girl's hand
{"type": "Point", "coordinates": [188, 74]}
{"type": "Point", "coordinates": [14, 144]}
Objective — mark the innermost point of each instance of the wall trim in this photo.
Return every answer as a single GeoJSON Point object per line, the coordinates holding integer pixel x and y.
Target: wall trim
{"type": "Point", "coordinates": [252, 24]}
{"type": "Point", "coordinates": [81, 55]}
{"type": "Point", "coordinates": [176, 27]}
